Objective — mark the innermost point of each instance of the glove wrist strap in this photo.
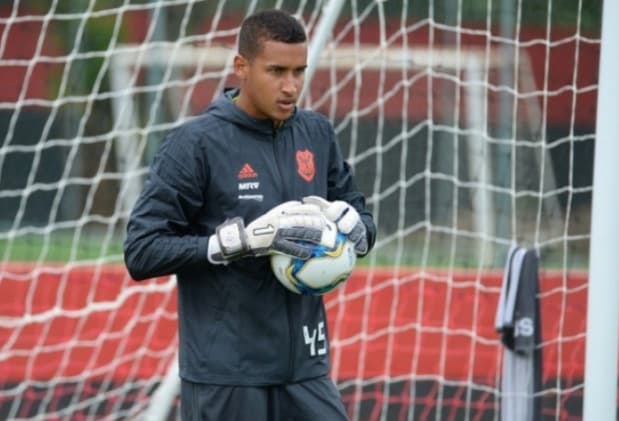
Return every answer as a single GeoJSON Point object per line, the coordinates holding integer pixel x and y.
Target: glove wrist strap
{"type": "Point", "coordinates": [232, 238]}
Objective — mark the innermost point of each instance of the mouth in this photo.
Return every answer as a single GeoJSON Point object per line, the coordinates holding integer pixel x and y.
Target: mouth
{"type": "Point", "coordinates": [286, 105]}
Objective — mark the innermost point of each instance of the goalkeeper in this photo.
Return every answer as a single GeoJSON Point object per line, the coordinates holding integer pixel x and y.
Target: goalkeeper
{"type": "Point", "coordinates": [246, 179]}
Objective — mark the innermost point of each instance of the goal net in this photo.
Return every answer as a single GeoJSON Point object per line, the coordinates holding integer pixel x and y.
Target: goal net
{"type": "Point", "coordinates": [470, 127]}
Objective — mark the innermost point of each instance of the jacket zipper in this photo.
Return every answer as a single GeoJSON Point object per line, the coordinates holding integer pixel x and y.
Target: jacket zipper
{"type": "Point", "coordinates": [292, 347]}
{"type": "Point", "coordinates": [282, 181]}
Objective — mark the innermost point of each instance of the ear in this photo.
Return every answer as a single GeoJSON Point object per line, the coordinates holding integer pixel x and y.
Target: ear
{"type": "Point", "coordinates": [240, 64]}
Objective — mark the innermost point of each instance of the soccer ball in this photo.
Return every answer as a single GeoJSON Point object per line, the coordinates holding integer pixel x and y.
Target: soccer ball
{"type": "Point", "coordinates": [322, 272]}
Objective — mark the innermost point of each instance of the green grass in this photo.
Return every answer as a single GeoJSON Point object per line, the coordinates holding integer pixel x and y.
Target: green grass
{"type": "Point", "coordinates": [60, 247]}
{"type": "Point", "coordinates": [413, 251]}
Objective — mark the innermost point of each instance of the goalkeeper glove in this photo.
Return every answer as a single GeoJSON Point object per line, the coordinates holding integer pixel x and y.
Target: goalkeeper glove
{"type": "Point", "coordinates": [290, 228]}
{"type": "Point", "coordinates": [346, 218]}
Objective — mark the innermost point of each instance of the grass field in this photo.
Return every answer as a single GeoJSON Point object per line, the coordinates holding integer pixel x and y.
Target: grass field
{"type": "Point", "coordinates": [440, 251]}
{"type": "Point", "coordinates": [61, 247]}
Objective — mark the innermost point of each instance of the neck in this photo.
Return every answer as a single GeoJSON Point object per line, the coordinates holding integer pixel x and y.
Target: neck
{"type": "Point", "coordinates": [242, 102]}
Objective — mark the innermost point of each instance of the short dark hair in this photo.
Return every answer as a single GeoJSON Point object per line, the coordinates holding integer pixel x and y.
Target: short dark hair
{"type": "Point", "coordinates": [268, 25]}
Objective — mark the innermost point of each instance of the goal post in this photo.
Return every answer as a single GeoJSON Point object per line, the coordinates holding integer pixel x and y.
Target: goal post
{"type": "Point", "coordinates": [422, 100]}
{"type": "Point", "coordinates": [600, 387]}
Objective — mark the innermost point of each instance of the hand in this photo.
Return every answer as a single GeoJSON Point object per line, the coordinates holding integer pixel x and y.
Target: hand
{"type": "Point", "coordinates": [346, 218]}
{"type": "Point", "coordinates": [283, 229]}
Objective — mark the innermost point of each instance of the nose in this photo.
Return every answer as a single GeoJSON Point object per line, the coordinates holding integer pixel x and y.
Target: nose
{"type": "Point", "coordinates": [291, 85]}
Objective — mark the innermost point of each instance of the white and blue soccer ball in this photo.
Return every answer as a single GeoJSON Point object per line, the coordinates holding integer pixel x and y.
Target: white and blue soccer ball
{"type": "Point", "coordinates": [324, 271]}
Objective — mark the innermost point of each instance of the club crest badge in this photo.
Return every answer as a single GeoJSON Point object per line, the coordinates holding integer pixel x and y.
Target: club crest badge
{"type": "Point", "coordinates": [305, 165]}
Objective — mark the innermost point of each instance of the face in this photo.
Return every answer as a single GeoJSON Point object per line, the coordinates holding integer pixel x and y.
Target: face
{"type": "Point", "coordinates": [271, 82]}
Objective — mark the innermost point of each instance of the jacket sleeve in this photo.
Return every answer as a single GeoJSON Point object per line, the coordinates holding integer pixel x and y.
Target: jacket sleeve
{"type": "Point", "coordinates": [342, 186]}
{"type": "Point", "coordinates": [160, 237]}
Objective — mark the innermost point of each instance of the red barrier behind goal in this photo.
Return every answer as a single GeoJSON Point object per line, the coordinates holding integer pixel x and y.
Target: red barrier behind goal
{"type": "Point", "coordinates": [95, 320]}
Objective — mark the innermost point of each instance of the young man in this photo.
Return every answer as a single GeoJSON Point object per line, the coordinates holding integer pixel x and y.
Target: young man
{"type": "Point", "coordinates": [225, 191]}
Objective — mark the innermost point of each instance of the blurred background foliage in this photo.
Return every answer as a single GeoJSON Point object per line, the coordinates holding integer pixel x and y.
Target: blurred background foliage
{"type": "Point", "coordinates": [108, 22]}
{"type": "Point", "coordinates": [531, 12]}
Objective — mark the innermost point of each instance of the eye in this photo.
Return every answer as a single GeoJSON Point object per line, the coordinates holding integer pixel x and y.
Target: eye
{"type": "Point", "coordinates": [277, 70]}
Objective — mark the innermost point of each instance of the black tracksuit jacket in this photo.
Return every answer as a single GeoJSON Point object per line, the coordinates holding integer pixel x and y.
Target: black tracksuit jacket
{"type": "Point", "coordinates": [237, 324]}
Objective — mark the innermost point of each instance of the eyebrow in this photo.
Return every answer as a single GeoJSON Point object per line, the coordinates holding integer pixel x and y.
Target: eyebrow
{"type": "Point", "coordinates": [279, 66]}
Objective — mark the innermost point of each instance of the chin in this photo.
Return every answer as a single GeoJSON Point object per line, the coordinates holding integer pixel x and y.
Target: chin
{"type": "Point", "coordinates": [280, 116]}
